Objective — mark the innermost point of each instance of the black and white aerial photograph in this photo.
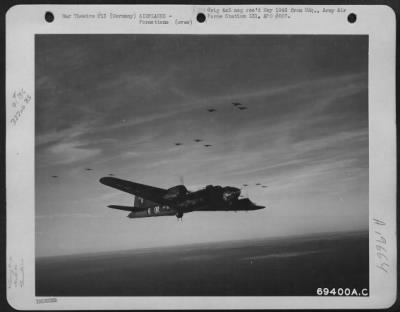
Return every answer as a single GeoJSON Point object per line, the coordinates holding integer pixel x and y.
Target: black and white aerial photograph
{"type": "Point", "coordinates": [201, 165]}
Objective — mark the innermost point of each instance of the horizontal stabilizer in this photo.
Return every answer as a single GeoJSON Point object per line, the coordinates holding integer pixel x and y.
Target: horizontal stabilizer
{"type": "Point", "coordinates": [125, 208]}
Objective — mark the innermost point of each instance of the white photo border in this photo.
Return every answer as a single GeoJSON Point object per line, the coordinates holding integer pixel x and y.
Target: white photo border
{"type": "Point", "coordinates": [23, 22]}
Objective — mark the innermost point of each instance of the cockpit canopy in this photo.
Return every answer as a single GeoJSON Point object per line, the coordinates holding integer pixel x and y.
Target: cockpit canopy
{"type": "Point", "coordinates": [230, 193]}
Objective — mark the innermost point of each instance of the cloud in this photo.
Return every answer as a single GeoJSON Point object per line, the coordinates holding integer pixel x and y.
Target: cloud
{"type": "Point", "coordinates": [327, 87]}
{"type": "Point", "coordinates": [69, 145]}
{"type": "Point", "coordinates": [70, 152]}
{"type": "Point", "coordinates": [52, 136]}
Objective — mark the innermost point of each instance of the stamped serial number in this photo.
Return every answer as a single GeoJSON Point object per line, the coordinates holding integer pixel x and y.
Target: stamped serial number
{"type": "Point", "coordinates": [342, 292]}
{"type": "Point", "coordinates": [45, 300]}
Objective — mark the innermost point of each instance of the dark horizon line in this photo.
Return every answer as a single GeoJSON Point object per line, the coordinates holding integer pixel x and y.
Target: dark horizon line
{"type": "Point", "coordinates": [308, 235]}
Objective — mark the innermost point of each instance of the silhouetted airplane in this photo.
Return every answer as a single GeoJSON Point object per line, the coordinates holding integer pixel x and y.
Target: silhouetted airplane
{"type": "Point", "coordinates": [241, 107]}
{"type": "Point", "coordinates": [207, 145]}
{"type": "Point", "coordinates": [178, 144]}
{"type": "Point", "coordinates": [198, 140]}
{"type": "Point", "coordinates": [152, 201]}
{"type": "Point", "coordinates": [211, 110]}
{"type": "Point", "coordinates": [236, 104]}
{"type": "Point", "coordinates": [258, 183]}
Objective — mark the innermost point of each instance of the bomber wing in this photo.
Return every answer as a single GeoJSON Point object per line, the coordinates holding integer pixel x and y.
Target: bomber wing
{"type": "Point", "coordinates": [152, 193]}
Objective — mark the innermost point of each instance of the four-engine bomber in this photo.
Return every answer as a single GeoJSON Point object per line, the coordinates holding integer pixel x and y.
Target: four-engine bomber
{"type": "Point", "coordinates": [152, 201]}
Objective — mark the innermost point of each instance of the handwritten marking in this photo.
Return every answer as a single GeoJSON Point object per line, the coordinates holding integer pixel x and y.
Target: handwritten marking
{"type": "Point", "coordinates": [16, 273]}
{"type": "Point", "coordinates": [381, 247]}
{"type": "Point", "coordinates": [22, 271]}
{"type": "Point", "coordinates": [20, 99]}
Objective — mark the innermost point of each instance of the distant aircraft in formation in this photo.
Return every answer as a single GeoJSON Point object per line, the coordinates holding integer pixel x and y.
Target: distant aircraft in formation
{"type": "Point", "coordinates": [258, 184]}
{"type": "Point", "coordinates": [152, 201]}
{"type": "Point", "coordinates": [196, 140]}
{"type": "Point", "coordinates": [236, 104]}
{"type": "Point", "coordinates": [87, 169]}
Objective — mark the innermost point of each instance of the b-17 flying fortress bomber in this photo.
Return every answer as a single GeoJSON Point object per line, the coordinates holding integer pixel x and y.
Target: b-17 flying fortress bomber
{"type": "Point", "coordinates": [152, 201]}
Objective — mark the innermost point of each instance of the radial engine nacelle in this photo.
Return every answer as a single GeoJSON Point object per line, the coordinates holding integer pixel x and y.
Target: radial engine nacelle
{"type": "Point", "coordinates": [175, 193]}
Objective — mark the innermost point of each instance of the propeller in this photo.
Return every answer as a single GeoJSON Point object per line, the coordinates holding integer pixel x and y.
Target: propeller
{"type": "Point", "coordinates": [179, 216]}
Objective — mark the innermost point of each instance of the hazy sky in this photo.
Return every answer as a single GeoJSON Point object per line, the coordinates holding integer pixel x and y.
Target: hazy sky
{"type": "Point", "coordinates": [118, 104]}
